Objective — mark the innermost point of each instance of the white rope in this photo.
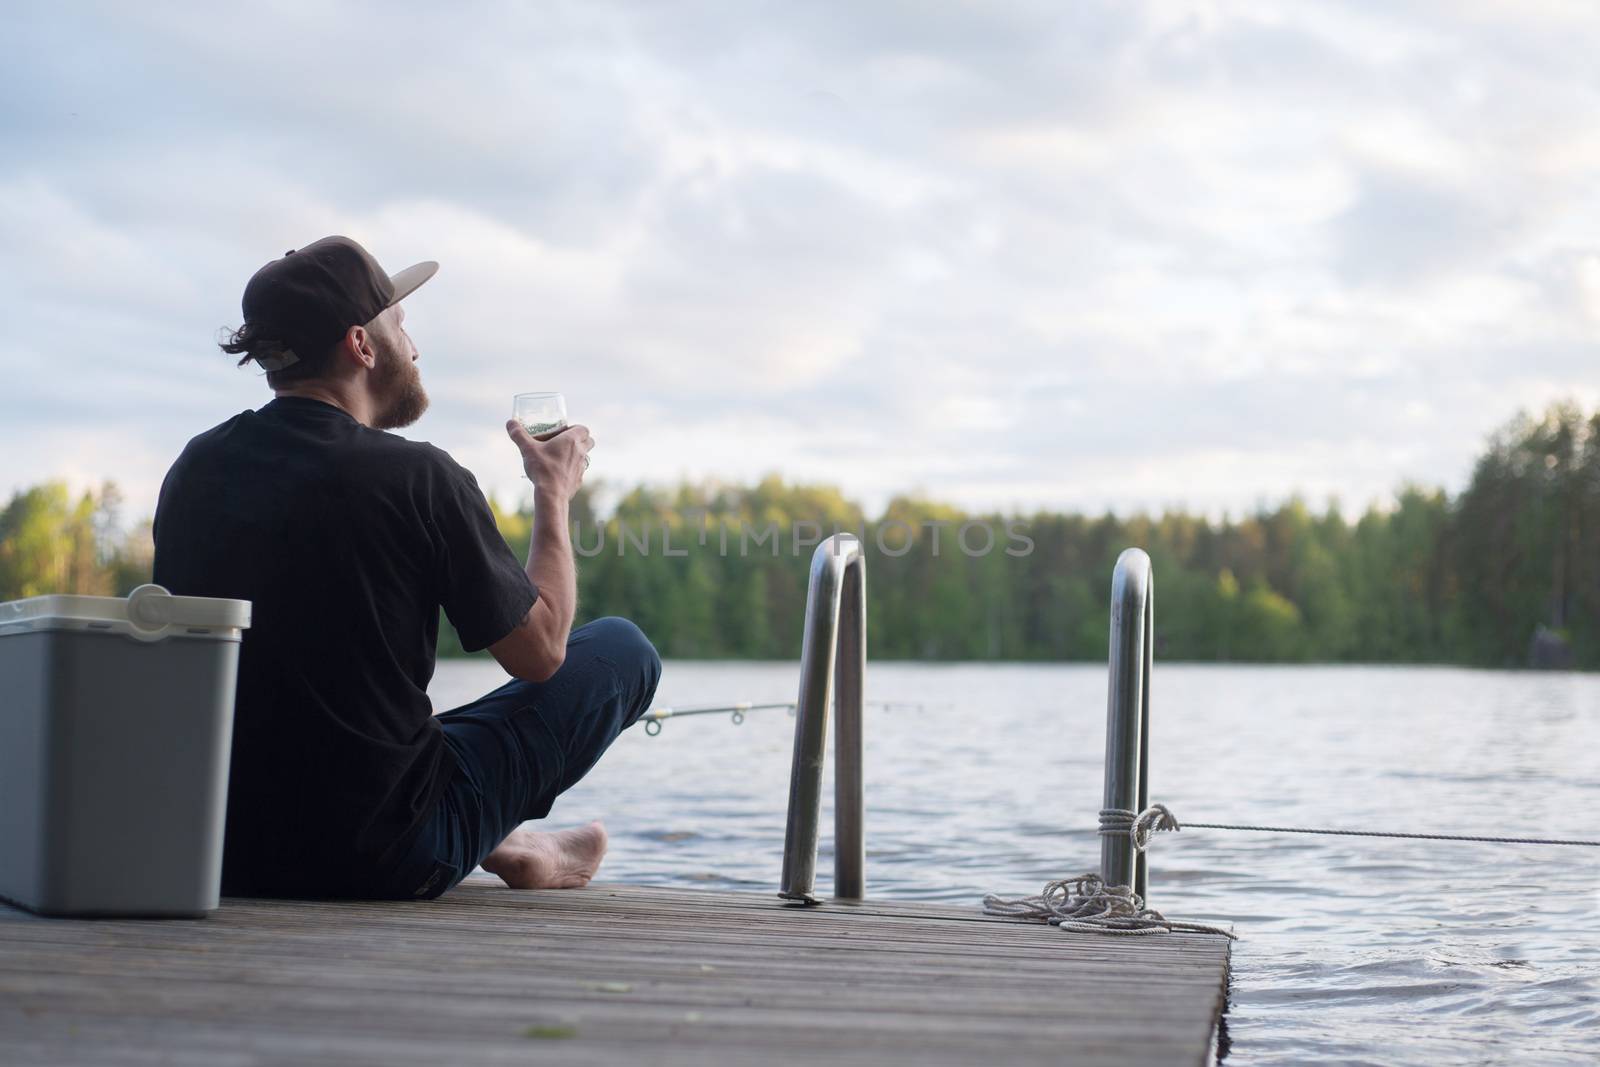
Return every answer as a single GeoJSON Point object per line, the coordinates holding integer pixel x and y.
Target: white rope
{"type": "Point", "coordinates": [1159, 817]}
{"type": "Point", "coordinates": [1139, 826]}
{"type": "Point", "coordinates": [1085, 904]}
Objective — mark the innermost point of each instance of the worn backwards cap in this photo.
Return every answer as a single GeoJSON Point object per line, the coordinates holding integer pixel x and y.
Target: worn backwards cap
{"type": "Point", "coordinates": [313, 295]}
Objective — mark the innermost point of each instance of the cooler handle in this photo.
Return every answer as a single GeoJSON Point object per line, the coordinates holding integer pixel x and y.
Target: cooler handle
{"type": "Point", "coordinates": [152, 609]}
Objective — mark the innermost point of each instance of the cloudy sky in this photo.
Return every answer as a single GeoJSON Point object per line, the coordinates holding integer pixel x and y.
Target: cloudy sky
{"type": "Point", "coordinates": [1077, 255]}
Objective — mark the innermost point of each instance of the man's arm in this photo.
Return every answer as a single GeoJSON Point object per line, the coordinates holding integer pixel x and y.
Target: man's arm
{"type": "Point", "coordinates": [536, 649]}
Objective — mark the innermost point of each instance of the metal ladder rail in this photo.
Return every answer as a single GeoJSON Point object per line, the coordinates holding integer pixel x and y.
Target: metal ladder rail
{"type": "Point", "coordinates": [1127, 781]}
{"type": "Point", "coordinates": [833, 664]}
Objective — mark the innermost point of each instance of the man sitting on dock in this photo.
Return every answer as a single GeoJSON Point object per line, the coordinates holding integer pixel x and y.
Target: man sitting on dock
{"type": "Point", "coordinates": [348, 541]}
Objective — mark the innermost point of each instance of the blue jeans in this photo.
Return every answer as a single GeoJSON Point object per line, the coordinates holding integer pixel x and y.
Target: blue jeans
{"type": "Point", "coordinates": [525, 744]}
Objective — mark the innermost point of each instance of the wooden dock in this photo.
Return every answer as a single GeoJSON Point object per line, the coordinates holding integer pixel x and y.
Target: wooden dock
{"type": "Point", "coordinates": [611, 974]}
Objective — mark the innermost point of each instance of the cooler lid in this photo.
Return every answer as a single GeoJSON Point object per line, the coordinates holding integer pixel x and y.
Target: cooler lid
{"type": "Point", "coordinates": [149, 613]}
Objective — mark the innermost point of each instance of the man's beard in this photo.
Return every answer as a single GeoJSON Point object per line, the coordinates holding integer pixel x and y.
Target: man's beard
{"type": "Point", "coordinates": [399, 389]}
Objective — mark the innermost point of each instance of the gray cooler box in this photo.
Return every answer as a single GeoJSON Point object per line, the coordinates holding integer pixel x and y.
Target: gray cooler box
{"type": "Point", "coordinates": [116, 718]}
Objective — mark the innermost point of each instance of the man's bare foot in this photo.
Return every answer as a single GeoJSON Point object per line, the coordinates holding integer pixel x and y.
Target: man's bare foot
{"type": "Point", "coordinates": [564, 859]}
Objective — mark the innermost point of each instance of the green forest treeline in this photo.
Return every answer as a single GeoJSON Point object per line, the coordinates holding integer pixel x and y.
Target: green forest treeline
{"type": "Point", "coordinates": [1510, 564]}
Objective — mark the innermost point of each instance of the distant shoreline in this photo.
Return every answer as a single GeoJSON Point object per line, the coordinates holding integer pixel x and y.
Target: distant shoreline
{"type": "Point", "coordinates": [484, 657]}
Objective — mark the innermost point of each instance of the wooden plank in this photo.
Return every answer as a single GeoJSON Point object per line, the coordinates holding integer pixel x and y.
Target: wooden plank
{"type": "Point", "coordinates": [607, 975]}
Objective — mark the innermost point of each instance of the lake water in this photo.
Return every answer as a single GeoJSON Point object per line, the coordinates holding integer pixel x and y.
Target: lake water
{"type": "Point", "coordinates": [1354, 950]}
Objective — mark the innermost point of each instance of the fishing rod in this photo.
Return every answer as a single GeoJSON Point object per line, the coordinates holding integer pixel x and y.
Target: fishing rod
{"type": "Point", "coordinates": [653, 718]}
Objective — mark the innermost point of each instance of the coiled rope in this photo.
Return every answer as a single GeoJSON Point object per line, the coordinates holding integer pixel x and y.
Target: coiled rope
{"type": "Point", "coordinates": [1085, 904]}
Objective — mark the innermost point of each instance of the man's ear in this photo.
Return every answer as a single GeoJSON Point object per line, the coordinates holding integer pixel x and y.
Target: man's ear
{"type": "Point", "coordinates": [357, 345]}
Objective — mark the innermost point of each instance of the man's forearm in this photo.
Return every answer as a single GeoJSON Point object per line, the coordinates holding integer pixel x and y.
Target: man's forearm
{"type": "Point", "coordinates": [551, 565]}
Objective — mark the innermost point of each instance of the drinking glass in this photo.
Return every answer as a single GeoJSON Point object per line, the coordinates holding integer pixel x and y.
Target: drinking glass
{"type": "Point", "coordinates": [541, 414]}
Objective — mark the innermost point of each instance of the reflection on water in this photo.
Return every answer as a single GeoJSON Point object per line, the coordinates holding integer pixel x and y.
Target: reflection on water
{"type": "Point", "coordinates": [1354, 950]}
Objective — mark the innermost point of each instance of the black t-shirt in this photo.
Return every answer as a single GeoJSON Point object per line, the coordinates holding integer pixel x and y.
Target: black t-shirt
{"type": "Point", "coordinates": [348, 541]}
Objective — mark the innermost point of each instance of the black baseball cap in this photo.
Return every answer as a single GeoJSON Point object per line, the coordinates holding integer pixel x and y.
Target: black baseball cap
{"type": "Point", "coordinates": [313, 295]}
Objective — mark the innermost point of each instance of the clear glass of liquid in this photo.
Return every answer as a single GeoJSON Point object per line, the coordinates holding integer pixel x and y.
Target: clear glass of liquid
{"type": "Point", "coordinates": [541, 414]}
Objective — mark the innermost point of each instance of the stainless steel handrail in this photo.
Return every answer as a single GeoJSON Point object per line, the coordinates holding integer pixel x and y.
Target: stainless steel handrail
{"type": "Point", "coordinates": [833, 654]}
{"type": "Point", "coordinates": [1127, 785]}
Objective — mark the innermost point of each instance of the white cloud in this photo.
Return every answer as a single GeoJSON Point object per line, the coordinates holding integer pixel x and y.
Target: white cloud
{"type": "Point", "coordinates": [1095, 255]}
